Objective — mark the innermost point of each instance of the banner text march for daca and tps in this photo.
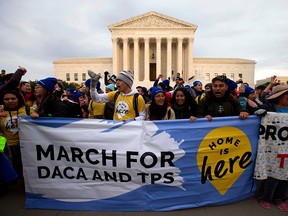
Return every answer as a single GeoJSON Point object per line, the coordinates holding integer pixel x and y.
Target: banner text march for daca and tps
{"type": "Point", "coordinates": [86, 164]}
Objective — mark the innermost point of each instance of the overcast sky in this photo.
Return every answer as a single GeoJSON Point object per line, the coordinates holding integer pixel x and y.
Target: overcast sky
{"type": "Point", "coordinates": [34, 33]}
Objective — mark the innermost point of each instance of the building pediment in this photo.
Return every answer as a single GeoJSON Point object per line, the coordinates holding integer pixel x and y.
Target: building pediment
{"type": "Point", "coordinates": [152, 20]}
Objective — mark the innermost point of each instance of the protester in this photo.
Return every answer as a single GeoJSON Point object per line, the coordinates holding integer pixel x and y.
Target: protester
{"type": "Point", "coordinates": [14, 106]}
{"type": "Point", "coordinates": [2, 75]}
{"type": "Point", "coordinates": [267, 91]}
{"type": "Point", "coordinates": [207, 88]}
{"type": "Point", "coordinates": [219, 102]}
{"type": "Point", "coordinates": [232, 88]}
{"type": "Point", "coordinates": [247, 99]}
{"type": "Point", "coordinates": [47, 105]}
{"type": "Point", "coordinates": [197, 88]}
{"type": "Point", "coordinates": [69, 92]}
{"type": "Point", "coordinates": [59, 91]}
{"type": "Point", "coordinates": [179, 82]}
{"type": "Point", "coordinates": [259, 89]}
{"type": "Point", "coordinates": [125, 108]}
{"type": "Point", "coordinates": [109, 79]}
{"type": "Point", "coordinates": [275, 190]}
{"type": "Point", "coordinates": [12, 81]}
{"type": "Point", "coordinates": [143, 91]}
{"type": "Point", "coordinates": [177, 79]}
{"type": "Point", "coordinates": [96, 109]}
{"type": "Point", "coordinates": [109, 88]}
{"type": "Point", "coordinates": [165, 84]}
{"type": "Point", "coordinates": [183, 104]}
{"type": "Point", "coordinates": [158, 109]}
{"type": "Point", "coordinates": [82, 108]}
{"type": "Point", "coordinates": [26, 90]}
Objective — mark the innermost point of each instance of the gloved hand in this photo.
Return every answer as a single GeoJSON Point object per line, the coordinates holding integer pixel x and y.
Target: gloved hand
{"type": "Point", "coordinates": [95, 77]}
{"type": "Point", "coordinates": [260, 112]}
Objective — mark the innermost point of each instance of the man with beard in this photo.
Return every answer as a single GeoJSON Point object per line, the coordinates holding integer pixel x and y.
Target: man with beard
{"type": "Point", "coordinates": [219, 102]}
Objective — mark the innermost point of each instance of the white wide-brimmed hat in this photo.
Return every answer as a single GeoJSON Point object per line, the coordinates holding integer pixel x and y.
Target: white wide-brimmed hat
{"type": "Point", "coordinates": [278, 91]}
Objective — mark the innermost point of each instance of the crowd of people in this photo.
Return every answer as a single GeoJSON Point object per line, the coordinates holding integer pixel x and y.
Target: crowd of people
{"type": "Point", "coordinates": [120, 101]}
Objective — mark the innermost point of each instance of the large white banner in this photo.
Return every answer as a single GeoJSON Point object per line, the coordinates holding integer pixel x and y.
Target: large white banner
{"type": "Point", "coordinates": [87, 164]}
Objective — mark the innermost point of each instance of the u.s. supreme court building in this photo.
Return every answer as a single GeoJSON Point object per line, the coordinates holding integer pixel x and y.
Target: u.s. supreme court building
{"type": "Point", "coordinates": [151, 44]}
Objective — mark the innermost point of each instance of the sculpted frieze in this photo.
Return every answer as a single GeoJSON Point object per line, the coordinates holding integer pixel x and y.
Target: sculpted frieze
{"type": "Point", "coordinates": [152, 21]}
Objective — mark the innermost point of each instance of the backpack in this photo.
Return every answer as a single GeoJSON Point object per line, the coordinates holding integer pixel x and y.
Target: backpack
{"type": "Point", "coordinates": [110, 106]}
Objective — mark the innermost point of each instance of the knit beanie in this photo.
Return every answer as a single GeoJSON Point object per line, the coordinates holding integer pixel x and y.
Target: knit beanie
{"type": "Point", "coordinates": [248, 91]}
{"type": "Point", "coordinates": [208, 85]}
{"type": "Point", "coordinates": [187, 86]}
{"type": "Point", "coordinates": [76, 95]}
{"type": "Point", "coordinates": [127, 77]}
{"type": "Point", "coordinates": [166, 82]}
{"type": "Point", "coordinates": [87, 83]}
{"type": "Point", "coordinates": [196, 82]}
{"type": "Point", "coordinates": [162, 85]}
{"type": "Point", "coordinates": [156, 90]}
{"type": "Point", "coordinates": [231, 84]}
{"type": "Point", "coordinates": [48, 83]}
{"type": "Point", "coordinates": [144, 90]}
{"type": "Point", "coordinates": [71, 90]}
{"type": "Point", "coordinates": [111, 87]}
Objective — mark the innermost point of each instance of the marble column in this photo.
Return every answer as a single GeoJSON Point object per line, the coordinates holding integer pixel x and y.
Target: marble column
{"type": "Point", "coordinates": [189, 71]}
{"type": "Point", "coordinates": [169, 58]}
{"type": "Point", "coordinates": [136, 58]}
{"type": "Point", "coordinates": [125, 54]}
{"type": "Point", "coordinates": [158, 56]}
{"type": "Point", "coordinates": [179, 55]}
{"type": "Point", "coordinates": [115, 56]}
{"type": "Point", "coordinates": [146, 59]}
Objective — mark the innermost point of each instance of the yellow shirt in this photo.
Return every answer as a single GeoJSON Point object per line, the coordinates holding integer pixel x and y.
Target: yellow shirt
{"type": "Point", "coordinates": [124, 108]}
{"type": "Point", "coordinates": [9, 126]}
{"type": "Point", "coordinates": [96, 110]}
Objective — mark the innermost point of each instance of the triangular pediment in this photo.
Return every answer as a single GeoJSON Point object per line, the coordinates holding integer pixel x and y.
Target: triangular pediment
{"type": "Point", "coordinates": [152, 20]}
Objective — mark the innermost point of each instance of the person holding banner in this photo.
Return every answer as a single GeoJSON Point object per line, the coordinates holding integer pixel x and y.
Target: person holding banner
{"type": "Point", "coordinates": [47, 105]}
{"type": "Point", "coordinates": [275, 190]}
{"type": "Point", "coordinates": [219, 102]}
{"type": "Point", "coordinates": [14, 106]}
{"type": "Point", "coordinates": [183, 104]}
{"type": "Point", "coordinates": [158, 109]}
{"type": "Point", "coordinates": [247, 99]}
{"type": "Point", "coordinates": [126, 108]}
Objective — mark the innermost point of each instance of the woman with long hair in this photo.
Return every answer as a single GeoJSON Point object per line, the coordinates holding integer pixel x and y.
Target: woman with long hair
{"type": "Point", "coordinates": [48, 105]}
{"type": "Point", "coordinates": [183, 104]}
{"type": "Point", "coordinates": [158, 109]}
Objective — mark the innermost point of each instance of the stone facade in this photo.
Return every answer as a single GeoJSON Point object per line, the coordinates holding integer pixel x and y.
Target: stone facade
{"type": "Point", "coordinates": [153, 44]}
{"type": "Point", "coordinates": [281, 80]}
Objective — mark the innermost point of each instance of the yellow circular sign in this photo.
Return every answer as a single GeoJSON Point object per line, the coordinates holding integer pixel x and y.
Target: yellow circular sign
{"type": "Point", "coordinates": [222, 157]}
